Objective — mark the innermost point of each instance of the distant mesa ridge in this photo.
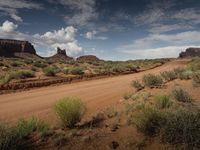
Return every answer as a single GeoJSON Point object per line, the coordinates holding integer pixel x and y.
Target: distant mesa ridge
{"type": "Point", "coordinates": [190, 52]}
{"type": "Point", "coordinates": [24, 49]}
{"type": "Point", "coordinates": [9, 48]}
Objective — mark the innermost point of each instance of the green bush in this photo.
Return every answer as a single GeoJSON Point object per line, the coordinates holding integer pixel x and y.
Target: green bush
{"type": "Point", "coordinates": [152, 80]}
{"type": "Point", "coordinates": [127, 95]}
{"type": "Point", "coordinates": [181, 95]}
{"type": "Point", "coordinates": [18, 136]}
{"type": "Point", "coordinates": [69, 110]}
{"type": "Point", "coordinates": [50, 71]}
{"type": "Point", "coordinates": [21, 74]}
{"type": "Point", "coordinates": [194, 65]}
{"type": "Point", "coordinates": [137, 85]}
{"type": "Point", "coordinates": [66, 70]}
{"type": "Point", "coordinates": [182, 73]}
{"type": "Point", "coordinates": [162, 101]}
{"type": "Point", "coordinates": [148, 120]}
{"type": "Point", "coordinates": [77, 71]}
{"type": "Point", "coordinates": [196, 78]}
{"type": "Point", "coordinates": [168, 75]}
{"type": "Point", "coordinates": [39, 64]}
{"type": "Point", "coordinates": [182, 128]}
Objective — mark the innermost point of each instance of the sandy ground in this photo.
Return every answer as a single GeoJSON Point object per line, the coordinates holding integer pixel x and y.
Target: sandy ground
{"type": "Point", "coordinates": [97, 94]}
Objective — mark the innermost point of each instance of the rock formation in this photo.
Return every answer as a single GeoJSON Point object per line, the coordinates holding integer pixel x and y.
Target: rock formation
{"type": "Point", "coordinates": [87, 58]}
{"type": "Point", "coordinates": [190, 52]}
{"type": "Point", "coordinates": [61, 55]}
{"type": "Point", "coordinates": [9, 48]}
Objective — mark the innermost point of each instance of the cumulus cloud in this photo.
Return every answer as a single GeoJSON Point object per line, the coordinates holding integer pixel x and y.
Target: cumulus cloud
{"type": "Point", "coordinates": [63, 38]}
{"type": "Point", "coordinates": [10, 7]}
{"type": "Point", "coordinates": [8, 26]}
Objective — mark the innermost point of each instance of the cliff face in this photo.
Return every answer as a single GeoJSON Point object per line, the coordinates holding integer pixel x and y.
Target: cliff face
{"type": "Point", "coordinates": [88, 58]}
{"type": "Point", "coordinates": [61, 55]}
{"type": "Point", "coordinates": [190, 52]}
{"type": "Point", "coordinates": [8, 48]}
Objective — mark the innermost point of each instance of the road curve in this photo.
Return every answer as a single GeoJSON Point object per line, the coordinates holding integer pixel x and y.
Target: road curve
{"type": "Point", "coordinates": [97, 94]}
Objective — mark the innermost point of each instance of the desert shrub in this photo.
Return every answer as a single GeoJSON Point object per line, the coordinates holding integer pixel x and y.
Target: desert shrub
{"type": "Point", "coordinates": [194, 65]}
{"type": "Point", "coordinates": [17, 136]}
{"type": "Point", "coordinates": [162, 101]}
{"type": "Point", "coordinates": [148, 120]}
{"type": "Point", "coordinates": [141, 96]}
{"type": "Point", "coordinates": [152, 80]}
{"type": "Point", "coordinates": [181, 95]}
{"type": "Point", "coordinates": [66, 70]}
{"type": "Point", "coordinates": [28, 61]}
{"type": "Point", "coordinates": [127, 95]}
{"type": "Point", "coordinates": [182, 128]}
{"type": "Point", "coordinates": [50, 71]}
{"type": "Point", "coordinates": [77, 71]}
{"type": "Point", "coordinates": [182, 73]}
{"type": "Point", "coordinates": [16, 63]}
{"type": "Point", "coordinates": [137, 85]}
{"type": "Point", "coordinates": [168, 75]}
{"type": "Point", "coordinates": [196, 78]}
{"type": "Point", "coordinates": [21, 74]}
{"type": "Point", "coordinates": [39, 64]}
{"type": "Point", "coordinates": [69, 110]}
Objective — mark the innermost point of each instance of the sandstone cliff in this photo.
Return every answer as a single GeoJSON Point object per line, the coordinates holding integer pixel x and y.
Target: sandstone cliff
{"type": "Point", "coordinates": [190, 52]}
{"type": "Point", "coordinates": [9, 48]}
{"type": "Point", "coordinates": [87, 58]}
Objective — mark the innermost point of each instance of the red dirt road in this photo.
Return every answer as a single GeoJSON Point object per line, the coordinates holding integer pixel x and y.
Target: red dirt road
{"type": "Point", "coordinates": [97, 94]}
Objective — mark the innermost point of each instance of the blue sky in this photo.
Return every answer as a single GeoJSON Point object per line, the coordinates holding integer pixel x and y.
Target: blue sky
{"type": "Point", "coordinates": [110, 29]}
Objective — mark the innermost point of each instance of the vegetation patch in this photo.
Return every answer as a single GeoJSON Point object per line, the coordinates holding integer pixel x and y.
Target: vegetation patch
{"type": "Point", "coordinates": [162, 101]}
{"type": "Point", "coordinates": [18, 136]}
{"type": "Point", "coordinates": [168, 75]}
{"type": "Point", "coordinates": [152, 80]}
{"type": "Point", "coordinates": [182, 128]}
{"type": "Point", "coordinates": [21, 74]}
{"type": "Point", "coordinates": [148, 120]}
{"type": "Point", "coordinates": [69, 110]}
{"type": "Point", "coordinates": [137, 85]}
{"type": "Point", "coordinates": [181, 95]}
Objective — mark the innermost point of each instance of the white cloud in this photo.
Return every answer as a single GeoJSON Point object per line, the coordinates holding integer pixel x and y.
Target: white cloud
{"type": "Point", "coordinates": [83, 11]}
{"type": "Point", "coordinates": [11, 7]}
{"type": "Point", "coordinates": [157, 45]}
{"type": "Point", "coordinates": [93, 35]}
{"type": "Point", "coordinates": [63, 38]}
{"type": "Point", "coordinates": [8, 26]}
{"type": "Point", "coordinates": [161, 52]}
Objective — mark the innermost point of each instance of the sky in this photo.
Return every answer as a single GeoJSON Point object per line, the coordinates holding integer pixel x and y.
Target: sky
{"type": "Point", "coordinates": [109, 29]}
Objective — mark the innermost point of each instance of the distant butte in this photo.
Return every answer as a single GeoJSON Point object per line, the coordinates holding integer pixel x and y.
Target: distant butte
{"type": "Point", "coordinates": [12, 48]}
{"type": "Point", "coordinates": [88, 58]}
{"type": "Point", "coordinates": [61, 55]}
{"type": "Point", "coordinates": [190, 52]}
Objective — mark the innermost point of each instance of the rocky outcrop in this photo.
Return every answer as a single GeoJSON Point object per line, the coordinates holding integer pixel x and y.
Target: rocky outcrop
{"type": "Point", "coordinates": [88, 58]}
{"type": "Point", "coordinates": [61, 55]}
{"type": "Point", "coordinates": [190, 52]}
{"type": "Point", "coordinates": [9, 48]}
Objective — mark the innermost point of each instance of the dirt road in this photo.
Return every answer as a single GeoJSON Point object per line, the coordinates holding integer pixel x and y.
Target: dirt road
{"type": "Point", "coordinates": [97, 94]}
